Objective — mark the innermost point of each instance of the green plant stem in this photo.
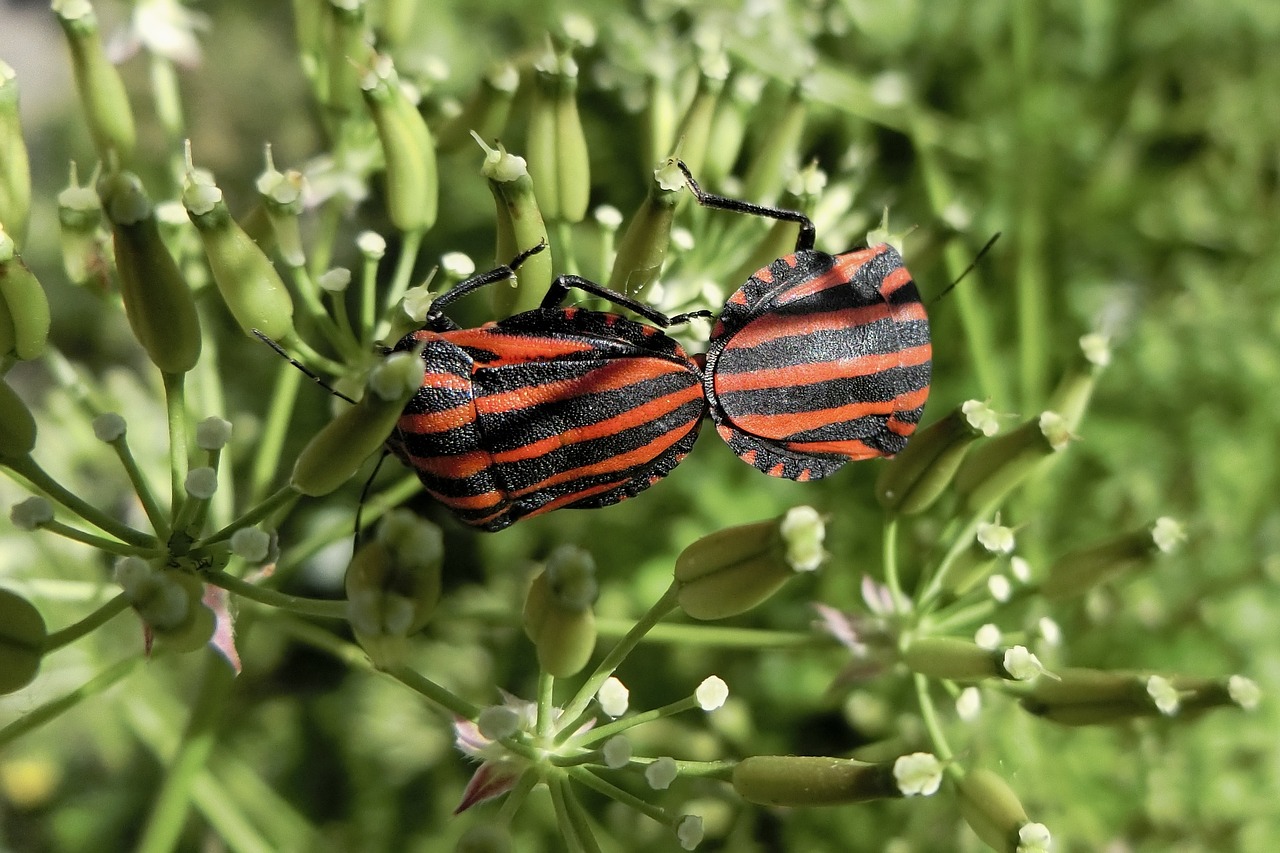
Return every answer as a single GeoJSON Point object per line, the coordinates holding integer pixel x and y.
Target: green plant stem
{"type": "Point", "coordinates": [890, 545]}
{"type": "Point", "coordinates": [578, 818]}
{"type": "Point", "coordinates": [101, 543]}
{"type": "Point", "coordinates": [573, 841]}
{"type": "Point", "coordinates": [55, 707]}
{"type": "Point", "coordinates": [176, 411]}
{"type": "Point", "coordinates": [169, 812]}
{"type": "Point", "coordinates": [271, 443]}
{"type": "Point", "coordinates": [433, 691]}
{"type": "Point", "coordinates": [618, 653]}
{"type": "Point", "coordinates": [38, 477]}
{"type": "Point", "coordinates": [722, 770]}
{"type": "Point", "coordinates": [159, 522]}
{"type": "Point", "coordinates": [585, 777]}
{"type": "Point", "coordinates": [603, 733]}
{"type": "Point", "coordinates": [515, 798]}
{"type": "Point", "coordinates": [958, 544]}
{"type": "Point", "coordinates": [282, 498]}
{"type": "Point", "coordinates": [948, 622]}
{"type": "Point", "coordinates": [328, 608]}
{"type": "Point", "coordinates": [931, 723]}
{"type": "Point", "coordinates": [564, 247]}
{"type": "Point", "coordinates": [368, 302]}
{"type": "Point", "coordinates": [546, 693]}
{"type": "Point", "coordinates": [326, 234]}
{"type": "Point", "coordinates": [400, 278]}
{"type": "Point", "coordinates": [313, 359]}
{"type": "Point", "coordinates": [305, 286]}
{"type": "Point", "coordinates": [87, 625]}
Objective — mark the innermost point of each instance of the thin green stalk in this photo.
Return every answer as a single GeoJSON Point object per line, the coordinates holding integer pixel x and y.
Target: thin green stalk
{"type": "Point", "coordinates": [38, 477]}
{"type": "Point", "coordinates": [50, 710]}
{"type": "Point", "coordinates": [515, 798]}
{"type": "Point", "coordinates": [433, 691]}
{"type": "Point", "coordinates": [1032, 278]}
{"type": "Point", "coordinates": [930, 716]}
{"type": "Point", "coordinates": [284, 497]}
{"type": "Point", "coordinates": [271, 443]}
{"type": "Point", "coordinates": [169, 811]}
{"type": "Point", "coordinates": [618, 653]}
{"type": "Point", "coordinates": [400, 279]}
{"type": "Point", "coordinates": [327, 232]}
{"type": "Point", "coordinates": [313, 359]}
{"type": "Point", "coordinates": [328, 608]}
{"type": "Point", "coordinates": [87, 625]}
{"type": "Point", "coordinates": [305, 286]}
{"type": "Point", "coordinates": [368, 303]}
{"type": "Point", "coordinates": [603, 733]}
{"type": "Point", "coordinates": [722, 770]}
{"type": "Point", "coordinates": [101, 543]}
{"type": "Point", "coordinates": [159, 522]}
{"type": "Point", "coordinates": [890, 545]}
{"type": "Point", "coordinates": [564, 247]}
{"type": "Point", "coordinates": [176, 411]}
{"type": "Point", "coordinates": [584, 776]}
{"type": "Point", "coordinates": [934, 587]}
{"type": "Point", "coordinates": [948, 622]}
{"type": "Point", "coordinates": [569, 833]}
{"type": "Point", "coordinates": [579, 818]}
{"type": "Point", "coordinates": [546, 707]}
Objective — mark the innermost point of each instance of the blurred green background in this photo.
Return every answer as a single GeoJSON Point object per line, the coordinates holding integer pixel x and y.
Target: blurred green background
{"type": "Point", "coordinates": [1129, 153]}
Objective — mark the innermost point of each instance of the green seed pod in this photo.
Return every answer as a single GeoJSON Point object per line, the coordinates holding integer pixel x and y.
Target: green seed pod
{"type": "Point", "coordinates": [951, 658]}
{"type": "Point", "coordinates": [412, 183]}
{"type": "Point", "coordinates": [999, 466]}
{"type": "Point", "coordinates": [916, 477]}
{"type": "Point", "coordinates": [520, 227]}
{"type": "Point", "coordinates": [25, 304]}
{"type": "Point", "coordinates": [346, 52]}
{"type": "Point", "coordinates": [394, 22]}
{"type": "Point", "coordinates": [22, 638]}
{"type": "Point", "coordinates": [17, 426]}
{"type": "Point", "coordinates": [811, 780]}
{"type": "Point", "coordinates": [334, 454]}
{"type": "Point", "coordinates": [102, 92]}
{"type": "Point", "coordinates": [393, 582]}
{"type": "Point", "coordinates": [1085, 697]}
{"type": "Point", "coordinates": [729, 129]}
{"type": "Point", "coordinates": [1079, 571]}
{"type": "Point", "coordinates": [694, 132]}
{"type": "Point", "coordinates": [80, 233]}
{"type": "Point", "coordinates": [486, 113]}
{"type": "Point", "coordinates": [281, 194]}
{"type": "Point", "coordinates": [557, 146]}
{"type": "Point", "coordinates": [732, 570]}
{"type": "Point", "coordinates": [991, 809]}
{"type": "Point", "coordinates": [557, 612]}
{"type": "Point", "coordinates": [157, 301]}
{"type": "Point", "coordinates": [778, 154]}
{"type": "Point", "coordinates": [245, 277]}
{"type": "Point", "coordinates": [643, 246]}
{"type": "Point", "coordinates": [15, 169]}
{"type": "Point", "coordinates": [660, 115]}
{"type": "Point", "coordinates": [1071, 397]}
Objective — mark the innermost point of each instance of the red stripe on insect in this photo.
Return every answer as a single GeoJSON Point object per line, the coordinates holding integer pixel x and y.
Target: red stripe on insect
{"type": "Point", "coordinates": [574, 497]}
{"type": "Point", "coordinates": [787, 377]}
{"type": "Point", "coordinates": [609, 376]}
{"type": "Point", "coordinates": [791, 423]}
{"type": "Point", "coordinates": [620, 462]}
{"type": "Point", "coordinates": [441, 421]}
{"type": "Point", "coordinates": [846, 267]}
{"type": "Point", "coordinates": [900, 277]}
{"type": "Point", "coordinates": [455, 467]}
{"type": "Point", "coordinates": [852, 448]}
{"type": "Point", "coordinates": [774, 326]}
{"type": "Point", "coordinates": [642, 414]}
{"type": "Point", "coordinates": [446, 382]}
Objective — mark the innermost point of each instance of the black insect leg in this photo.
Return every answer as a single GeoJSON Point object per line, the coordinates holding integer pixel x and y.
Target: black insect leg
{"type": "Point", "coordinates": [807, 234]}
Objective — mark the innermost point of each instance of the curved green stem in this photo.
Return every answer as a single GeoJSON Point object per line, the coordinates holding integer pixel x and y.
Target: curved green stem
{"type": "Point", "coordinates": [36, 718]}
{"type": "Point", "coordinates": [546, 707]}
{"type": "Point", "coordinates": [271, 442]}
{"type": "Point", "coordinates": [159, 522]}
{"type": "Point", "coordinates": [890, 544]}
{"type": "Point", "coordinates": [607, 731]}
{"type": "Point", "coordinates": [176, 412]}
{"type": "Point", "coordinates": [584, 776]}
{"type": "Point", "coordinates": [101, 543]}
{"type": "Point", "coordinates": [931, 723]}
{"type": "Point", "coordinates": [400, 279]}
{"type": "Point", "coordinates": [282, 498]}
{"type": "Point", "coordinates": [87, 625]}
{"type": "Point", "coordinates": [328, 608]}
{"type": "Point", "coordinates": [39, 478]}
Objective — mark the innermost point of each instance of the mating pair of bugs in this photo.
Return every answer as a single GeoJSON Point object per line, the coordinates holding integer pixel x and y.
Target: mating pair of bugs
{"type": "Point", "coordinates": [817, 360]}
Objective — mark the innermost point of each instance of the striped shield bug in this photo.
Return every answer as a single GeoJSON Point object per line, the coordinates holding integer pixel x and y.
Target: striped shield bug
{"type": "Point", "coordinates": [817, 360]}
{"type": "Point", "coordinates": [558, 407]}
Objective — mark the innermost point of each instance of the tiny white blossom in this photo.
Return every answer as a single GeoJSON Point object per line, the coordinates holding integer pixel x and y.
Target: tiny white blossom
{"type": "Point", "coordinates": [617, 752]}
{"type": "Point", "coordinates": [1021, 664]}
{"type": "Point", "coordinates": [1033, 838]}
{"type": "Point", "coordinates": [613, 697]}
{"type": "Point", "coordinates": [335, 280]}
{"type": "Point", "coordinates": [372, 245]}
{"type": "Point", "coordinates": [918, 774]}
{"type": "Point", "coordinates": [803, 532]}
{"type": "Point", "coordinates": [1020, 569]}
{"type": "Point", "coordinates": [1244, 692]}
{"type": "Point", "coordinates": [31, 513]}
{"type": "Point", "coordinates": [417, 302]}
{"type": "Point", "coordinates": [201, 483]}
{"type": "Point", "coordinates": [1096, 348]}
{"type": "Point", "coordinates": [1164, 694]}
{"type": "Point", "coordinates": [711, 693]}
{"type": "Point", "coordinates": [608, 216]}
{"type": "Point", "coordinates": [1168, 534]}
{"type": "Point", "coordinates": [498, 721]}
{"type": "Point", "coordinates": [889, 89]}
{"type": "Point", "coordinates": [682, 239]}
{"type": "Point", "coordinates": [1000, 588]}
{"type": "Point", "coordinates": [213, 433]}
{"type": "Point", "coordinates": [996, 538]}
{"type": "Point", "coordinates": [981, 417]}
{"type": "Point", "coordinates": [988, 637]}
{"type": "Point", "coordinates": [969, 704]}
{"type": "Point", "coordinates": [689, 831]}
{"type": "Point", "coordinates": [1050, 631]}
{"type": "Point", "coordinates": [1055, 429]}
{"type": "Point", "coordinates": [457, 264]}
{"type": "Point", "coordinates": [109, 427]}
{"type": "Point", "coordinates": [250, 544]}
{"type": "Point", "coordinates": [661, 773]}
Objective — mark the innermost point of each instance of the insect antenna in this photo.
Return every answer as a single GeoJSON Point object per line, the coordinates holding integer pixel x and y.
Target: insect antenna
{"type": "Point", "coordinates": [305, 370]}
{"type": "Point", "coordinates": [972, 265]}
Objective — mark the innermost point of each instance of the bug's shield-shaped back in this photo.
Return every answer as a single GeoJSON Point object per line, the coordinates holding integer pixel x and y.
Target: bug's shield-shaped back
{"type": "Point", "coordinates": [818, 360]}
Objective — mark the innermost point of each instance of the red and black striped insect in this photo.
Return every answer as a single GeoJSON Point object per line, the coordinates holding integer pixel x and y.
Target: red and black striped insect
{"type": "Point", "coordinates": [817, 360]}
{"type": "Point", "coordinates": [558, 407]}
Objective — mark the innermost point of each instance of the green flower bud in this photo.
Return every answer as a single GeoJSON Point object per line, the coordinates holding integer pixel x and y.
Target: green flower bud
{"type": "Point", "coordinates": [412, 183]}
{"type": "Point", "coordinates": [80, 233]}
{"type": "Point", "coordinates": [694, 132]}
{"type": "Point", "coordinates": [911, 481]}
{"type": "Point", "coordinates": [954, 659]}
{"type": "Point", "coordinates": [991, 809]}
{"type": "Point", "coordinates": [26, 309]}
{"type": "Point", "coordinates": [245, 277]}
{"type": "Point", "coordinates": [393, 583]}
{"type": "Point", "coordinates": [281, 194]}
{"type": "Point", "coordinates": [520, 227]}
{"type": "Point", "coordinates": [557, 612]}
{"type": "Point", "coordinates": [170, 601]}
{"type": "Point", "coordinates": [486, 113]}
{"type": "Point", "coordinates": [557, 146]}
{"type": "Point", "coordinates": [157, 301]}
{"type": "Point", "coordinates": [334, 454]}
{"type": "Point", "coordinates": [778, 155]}
{"type": "Point", "coordinates": [102, 92]}
{"type": "Point", "coordinates": [812, 780]}
{"type": "Point", "coordinates": [729, 128]}
{"type": "Point", "coordinates": [1079, 571]}
{"type": "Point", "coordinates": [999, 466]}
{"type": "Point", "coordinates": [15, 169]}
{"type": "Point", "coordinates": [643, 246]}
{"type": "Point", "coordinates": [735, 569]}
{"type": "Point", "coordinates": [17, 426]}
{"type": "Point", "coordinates": [22, 637]}
{"type": "Point", "coordinates": [1071, 397]}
